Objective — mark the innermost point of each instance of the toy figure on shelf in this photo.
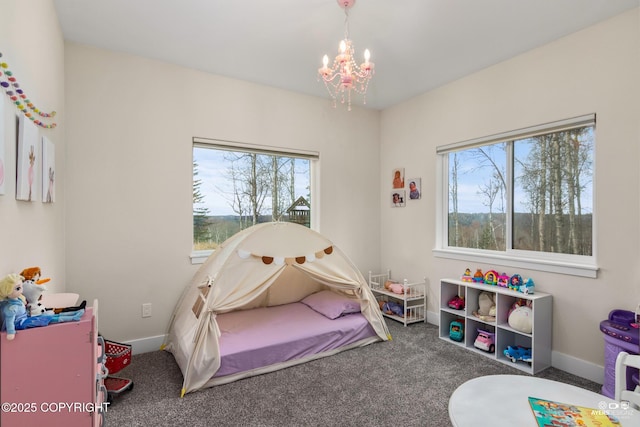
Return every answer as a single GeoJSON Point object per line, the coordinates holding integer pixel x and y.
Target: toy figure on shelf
{"type": "Point", "coordinates": [392, 307]}
{"type": "Point", "coordinates": [478, 277]}
{"type": "Point", "coordinates": [515, 282]}
{"type": "Point", "coordinates": [528, 286]}
{"type": "Point", "coordinates": [491, 277]}
{"type": "Point", "coordinates": [467, 277]}
{"type": "Point", "coordinates": [32, 289]}
{"type": "Point", "coordinates": [503, 280]}
{"type": "Point", "coordinates": [14, 312]}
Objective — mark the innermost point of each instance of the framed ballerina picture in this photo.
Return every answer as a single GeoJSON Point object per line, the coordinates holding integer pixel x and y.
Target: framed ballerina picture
{"type": "Point", "coordinates": [48, 171]}
{"type": "Point", "coordinates": [26, 160]}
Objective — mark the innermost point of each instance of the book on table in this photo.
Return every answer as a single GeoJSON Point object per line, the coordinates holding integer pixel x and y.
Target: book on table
{"type": "Point", "coordinates": [549, 413]}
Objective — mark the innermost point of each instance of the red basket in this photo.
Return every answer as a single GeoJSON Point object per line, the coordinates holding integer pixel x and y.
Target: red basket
{"type": "Point", "coordinates": [118, 356]}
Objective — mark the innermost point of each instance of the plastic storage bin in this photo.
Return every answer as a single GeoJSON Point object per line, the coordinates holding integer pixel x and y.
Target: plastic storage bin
{"type": "Point", "coordinates": [619, 336]}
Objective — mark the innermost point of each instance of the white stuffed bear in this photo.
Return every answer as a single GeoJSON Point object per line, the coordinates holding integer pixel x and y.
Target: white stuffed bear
{"type": "Point", "coordinates": [32, 293]}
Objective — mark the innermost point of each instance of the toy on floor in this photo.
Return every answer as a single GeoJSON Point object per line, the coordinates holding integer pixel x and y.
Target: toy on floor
{"type": "Point", "coordinates": [391, 307]}
{"type": "Point", "coordinates": [456, 330]}
{"type": "Point", "coordinates": [14, 312]}
{"type": "Point", "coordinates": [486, 307]}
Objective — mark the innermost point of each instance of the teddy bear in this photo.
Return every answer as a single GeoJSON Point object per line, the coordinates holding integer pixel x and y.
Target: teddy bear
{"type": "Point", "coordinates": [486, 307]}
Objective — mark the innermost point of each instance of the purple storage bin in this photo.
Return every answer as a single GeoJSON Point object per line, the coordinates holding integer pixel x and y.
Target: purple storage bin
{"type": "Point", "coordinates": [617, 339]}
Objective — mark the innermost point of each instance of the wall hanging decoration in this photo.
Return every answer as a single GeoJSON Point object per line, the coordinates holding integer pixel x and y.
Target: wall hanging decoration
{"type": "Point", "coordinates": [398, 198]}
{"type": "Point", "coordinates": [2, 137]}
{"type": "Point", "coordinates": [19, 98]}
{"type": "Point", "coordinates": [415, 188]}
{"type": "Point", "coordinates": [48, 171]}
{"type": "Point", "coordinates": [26, 160]}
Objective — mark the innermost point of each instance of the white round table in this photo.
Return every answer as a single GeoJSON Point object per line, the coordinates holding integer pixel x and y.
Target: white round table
{"type": "Point", "coordinates": [503, 400]}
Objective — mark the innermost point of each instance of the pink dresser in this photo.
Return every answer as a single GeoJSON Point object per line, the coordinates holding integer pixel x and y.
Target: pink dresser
{"type": "Point", "coordinates": [53, 375]}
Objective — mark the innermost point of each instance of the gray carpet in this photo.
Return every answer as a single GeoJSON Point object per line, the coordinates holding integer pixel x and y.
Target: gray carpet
{"type": "Point", "coordinates": [403, 382]}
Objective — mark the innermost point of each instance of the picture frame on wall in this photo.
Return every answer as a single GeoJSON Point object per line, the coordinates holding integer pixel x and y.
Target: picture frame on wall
{"type": "Point", "coordinates": [415, 188]}
{"type": "Point", "coordinates": [48, 171]}
{"type": "Point", "coordinates": [26, 160]}
{"type": "Point", "coordinates": [398, 198]}
{"type": "Point", "coordinates": [398, 178]}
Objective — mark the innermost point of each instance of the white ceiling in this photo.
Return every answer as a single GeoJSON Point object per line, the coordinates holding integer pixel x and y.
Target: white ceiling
{"type": "Point", "coordinates": [416, 45]}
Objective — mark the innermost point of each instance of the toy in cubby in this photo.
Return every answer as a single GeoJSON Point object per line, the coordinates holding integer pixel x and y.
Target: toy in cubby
{"type": "Point", "coordinates": [456, 330]}
{"type": "Point", "coordinates": [520, 315]}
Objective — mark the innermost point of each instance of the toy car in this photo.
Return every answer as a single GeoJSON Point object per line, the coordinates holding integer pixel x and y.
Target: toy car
{"type": "Point", "coordinates": [516, 353]}
{"type": "Point", "coordinates": [456, 302]}
{"type": "Point", "coordinates": [485, 341]}
{"type": "Point", "coordinates": [456, 331]}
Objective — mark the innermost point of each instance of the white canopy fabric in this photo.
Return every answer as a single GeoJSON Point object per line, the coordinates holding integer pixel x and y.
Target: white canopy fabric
{"type": "Point", "coordinates": [264, 265]}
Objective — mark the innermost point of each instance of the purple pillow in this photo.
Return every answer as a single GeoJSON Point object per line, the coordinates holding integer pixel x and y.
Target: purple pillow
{"type": "Point", "coordinates": [331, 304]}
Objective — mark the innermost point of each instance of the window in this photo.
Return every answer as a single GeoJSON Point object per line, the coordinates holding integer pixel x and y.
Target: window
{"type": "Point", "coordinates": [525, 196]}
{"type": "Point", "coordinates": [238, 185]}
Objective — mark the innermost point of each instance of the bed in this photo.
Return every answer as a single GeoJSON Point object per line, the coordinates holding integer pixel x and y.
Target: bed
{"type": "Point", "coordinates": [272, 296]}
{"type": "Point", "coordinates": [265, 339]}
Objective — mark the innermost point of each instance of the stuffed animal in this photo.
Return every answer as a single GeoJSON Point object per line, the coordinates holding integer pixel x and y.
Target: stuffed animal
{"type": "Point", "coordinates": [521, 315]}
{"type": "Point", "coordinates": [486, 307]}
{"type": "Point", "coordinates": [32, 288]}
{"type": "Point", "coordinates": [33, 274]}
{"type": "Point", "coordinates": [14, 312]}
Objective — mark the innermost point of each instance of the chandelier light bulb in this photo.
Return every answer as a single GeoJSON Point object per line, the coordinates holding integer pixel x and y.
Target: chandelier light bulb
{"type": "Point", "coordinates": [367, 56]}
{"type": "Point", "coordinates": [325, 61]}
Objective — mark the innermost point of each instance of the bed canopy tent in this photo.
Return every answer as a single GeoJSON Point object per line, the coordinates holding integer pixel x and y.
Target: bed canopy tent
{"type": "Point", "coordinates": [265, 265]}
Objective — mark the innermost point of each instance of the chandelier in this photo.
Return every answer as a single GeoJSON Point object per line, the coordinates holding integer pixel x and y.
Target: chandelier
{"type": "Point", "coordinates": [345, 76]}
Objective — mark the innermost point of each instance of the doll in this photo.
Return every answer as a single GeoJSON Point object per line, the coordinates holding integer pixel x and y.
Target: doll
{"type": "Point", "coordinates": [394, 287]}
{"type": "Point", "coordinates": [391, 307]}
{"type": "Point", "coordinates": [14, 312]}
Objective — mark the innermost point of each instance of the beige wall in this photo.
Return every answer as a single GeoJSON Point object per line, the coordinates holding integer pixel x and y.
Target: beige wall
{"type": "Point", "coordinates": [32, 233]}
{"type": "Point", "coordinates": [593, 71]}
{"type": "Point", "coordinates": [129, 197]}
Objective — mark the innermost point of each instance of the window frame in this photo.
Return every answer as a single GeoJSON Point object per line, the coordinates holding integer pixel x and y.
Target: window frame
{"type": "Point", "coordinates": [576, 265]}
{"type": "Point", "coordinates": [199, 257]}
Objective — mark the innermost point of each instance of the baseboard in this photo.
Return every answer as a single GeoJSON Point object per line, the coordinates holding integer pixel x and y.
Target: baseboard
{"type": "Point", "coordinates": [146, 345]}
{"type": "Point", "coordinates": [564, 362]}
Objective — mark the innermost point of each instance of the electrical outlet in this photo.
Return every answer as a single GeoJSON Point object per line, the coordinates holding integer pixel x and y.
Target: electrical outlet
{"type": "Point", "coordinates": [146, 309]}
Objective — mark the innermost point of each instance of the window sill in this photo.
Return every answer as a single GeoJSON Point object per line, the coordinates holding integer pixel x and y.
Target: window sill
{"type": "Point", "coordinates": [550, 266]}
{"type": "Point", "coordinates": [199, 257]}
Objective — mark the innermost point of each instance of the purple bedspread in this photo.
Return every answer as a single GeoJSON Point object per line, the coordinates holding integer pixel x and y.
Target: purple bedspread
{"type": "Point", "coordinates": [265, 336]}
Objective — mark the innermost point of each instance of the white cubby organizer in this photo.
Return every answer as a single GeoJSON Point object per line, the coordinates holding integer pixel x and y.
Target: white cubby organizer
{"type": "Point", "coordinates": [539, 340]}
